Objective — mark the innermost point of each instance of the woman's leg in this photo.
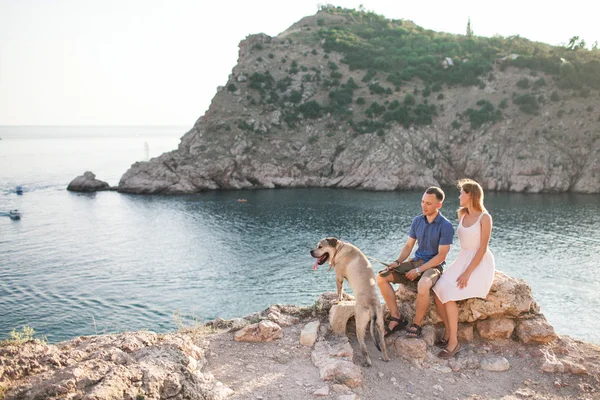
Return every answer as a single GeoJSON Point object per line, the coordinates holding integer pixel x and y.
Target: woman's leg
{"type": "Point", "coordinates": [452, 327]}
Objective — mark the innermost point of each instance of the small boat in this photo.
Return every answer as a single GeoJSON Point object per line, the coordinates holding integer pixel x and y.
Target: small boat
{"type": "Point", "coordinates": [242, 201]}
{"type": "Point", "coordinates": [13, 214]}
{"type": "Point", "coordinates": [19, 190]}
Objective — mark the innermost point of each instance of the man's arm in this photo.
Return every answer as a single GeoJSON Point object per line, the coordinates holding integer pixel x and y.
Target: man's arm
{"type": "Point", "coordinates": [439, 258]}
{"type": "Point", "coordinates": [434, 262]}
{"type": "Point", "coordinates": [406, 250]}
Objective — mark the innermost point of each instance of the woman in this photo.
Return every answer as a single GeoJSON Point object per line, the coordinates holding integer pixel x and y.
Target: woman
{"type": "Point", "coordinates": [472, 273]}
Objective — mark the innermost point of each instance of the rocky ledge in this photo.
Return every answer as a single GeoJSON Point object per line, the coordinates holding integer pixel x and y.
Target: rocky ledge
{"type": "Point", "coordinates": [287, 352]}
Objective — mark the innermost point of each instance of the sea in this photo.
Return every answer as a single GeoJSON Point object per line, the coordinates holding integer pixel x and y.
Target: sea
{"type": "Point", "coordinates": [85, 264]}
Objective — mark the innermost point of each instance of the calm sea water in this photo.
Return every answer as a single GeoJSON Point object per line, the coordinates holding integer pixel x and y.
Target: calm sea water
{"type": "Point", "coordinates": [80, 264]}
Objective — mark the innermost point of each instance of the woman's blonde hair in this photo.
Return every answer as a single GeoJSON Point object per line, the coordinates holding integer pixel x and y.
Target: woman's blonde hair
{"type": "Point", "coordinates": [476, 192]}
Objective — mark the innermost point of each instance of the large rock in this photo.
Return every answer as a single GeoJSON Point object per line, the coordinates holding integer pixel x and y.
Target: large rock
{"type": "Point", "coordinates": [87, 183]}
{"type": "Point", "coordinates": [465, 332]}
{"type": "Point", "coordinates": [128, 365]}
{"type": "Point", "coordinates": [308, 335]}
{"type": "Point", "coordinates": [339, 315]}
{"type": "Point", "coordinates": [410, 348]}
{"type": "Point", "coordinates": [509, 301]}
{"type": "Point", "coordinates": [495, 328]}
{"type": "Point", "coordinates": [334, 361]}
{"type": "Point", "coordinates": [535, 330]}
{"type": "Point", "coordinates": [264, 331]}
{"type": "Point", "coordinates": [495, 363]}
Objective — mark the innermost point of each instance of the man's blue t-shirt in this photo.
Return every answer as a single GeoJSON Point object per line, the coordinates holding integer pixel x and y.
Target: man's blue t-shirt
{"type": "Point", "coordinates": [430, 235]}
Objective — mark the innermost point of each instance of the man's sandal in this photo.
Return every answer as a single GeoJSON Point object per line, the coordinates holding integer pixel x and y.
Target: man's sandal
{"type": "Point", "coordinates": [445, 354]}
{"type": "Point", "coordinates": [414, 331]}
{"type": "Point", "coordinates": [401, 325]}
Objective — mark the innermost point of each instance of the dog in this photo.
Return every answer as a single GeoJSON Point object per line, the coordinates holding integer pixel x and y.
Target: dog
{"type": "Point", "coordinates": [350, 263]}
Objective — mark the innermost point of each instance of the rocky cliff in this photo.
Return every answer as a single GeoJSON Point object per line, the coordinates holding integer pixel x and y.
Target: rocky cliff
{"type": "Point", "coordinates": [298, 110]}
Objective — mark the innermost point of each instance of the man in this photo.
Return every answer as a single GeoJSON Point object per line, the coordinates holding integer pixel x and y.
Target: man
{"type": "Point", "coordinates": [434, 234]}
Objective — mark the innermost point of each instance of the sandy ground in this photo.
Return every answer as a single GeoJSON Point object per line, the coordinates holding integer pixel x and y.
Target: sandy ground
{"type": "Point", "coordinates": [283, 369]}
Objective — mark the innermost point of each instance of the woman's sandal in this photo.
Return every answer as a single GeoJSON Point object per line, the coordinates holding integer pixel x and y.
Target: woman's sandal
{"type": "Point", "coordinates": [445, 354]}
{"type": "Point", "coordinates": [414, 331]}
{"type": "Point", "coordinates": [401, 325]}
{"type": "Point", "coordinates": [441, 343]}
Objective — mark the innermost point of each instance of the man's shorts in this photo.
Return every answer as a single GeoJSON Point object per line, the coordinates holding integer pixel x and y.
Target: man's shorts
{"type": "Point", "coordinates": [432, 274]}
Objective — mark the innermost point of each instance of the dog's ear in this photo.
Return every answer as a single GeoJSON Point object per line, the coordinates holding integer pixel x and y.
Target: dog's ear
{"type": "Point", "coordinates": [332, 241]}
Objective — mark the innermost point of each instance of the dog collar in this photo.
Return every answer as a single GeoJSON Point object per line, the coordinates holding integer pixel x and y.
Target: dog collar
{"type": "Point", "coordinates": [332, 262]}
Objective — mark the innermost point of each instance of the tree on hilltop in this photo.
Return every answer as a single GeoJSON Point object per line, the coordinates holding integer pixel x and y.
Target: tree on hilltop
{"type": "Point", "coordinates": [575, 43]}
{"type": "Point", "coordinates": [469, 30]}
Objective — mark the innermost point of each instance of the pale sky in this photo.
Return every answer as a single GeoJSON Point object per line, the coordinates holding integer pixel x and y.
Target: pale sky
{"type": "Point", "coordinates": [159, 62]}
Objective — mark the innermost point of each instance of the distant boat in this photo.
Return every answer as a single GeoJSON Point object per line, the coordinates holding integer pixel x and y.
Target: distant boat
{"type": "Point", "coordinates": [242, 201]}
{"type": "Point", "coordinates": [13, 214]}
{"type": "Point", "coordinates": [19, 190]}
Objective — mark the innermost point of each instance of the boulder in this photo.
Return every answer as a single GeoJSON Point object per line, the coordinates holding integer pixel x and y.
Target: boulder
{"type": "Point", "coordinates": [87, 183]}
{"type": "Point", "coordinates": [334, 361]}
{"type": "Point", "coordinates": [497, 364]}
{"type": "Point", "coordinates": [264, 331]}
{"type": "Point", "coordinates": [309, 334]}
{"type": "Point", "coordinates": [465, 332]}
{"type": "Point", "coordinates": [410, 348]}
{"type": "Point", "coordinates": [495, 328]}
{"type": "Point", "coordinates": [339, 316]}
{"type": "Point", "coordinates": [329, 299]}
{"type": "Point", "coordinates": [536, 330]}
{"type": "Point", "coordinates": [509, 302]}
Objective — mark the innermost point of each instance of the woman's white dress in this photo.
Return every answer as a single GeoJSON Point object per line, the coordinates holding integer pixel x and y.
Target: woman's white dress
{"type": "Point", "coordinates": [481, 278]}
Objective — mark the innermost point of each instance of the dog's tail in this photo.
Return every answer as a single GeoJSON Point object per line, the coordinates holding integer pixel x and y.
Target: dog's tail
{"type": "Point", "coordinates": [374, 330]}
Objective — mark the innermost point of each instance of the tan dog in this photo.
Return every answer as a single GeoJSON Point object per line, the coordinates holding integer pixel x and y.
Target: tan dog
{"type": "Point", "coordinates": [350, 263]}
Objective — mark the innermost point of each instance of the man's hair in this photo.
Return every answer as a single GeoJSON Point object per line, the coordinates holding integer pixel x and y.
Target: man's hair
{"type": "Point", "coordinates": [439, 193]}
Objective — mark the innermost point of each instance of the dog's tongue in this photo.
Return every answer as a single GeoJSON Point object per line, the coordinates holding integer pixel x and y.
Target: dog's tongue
{"type": "Point", "coordinates": [316, 265]}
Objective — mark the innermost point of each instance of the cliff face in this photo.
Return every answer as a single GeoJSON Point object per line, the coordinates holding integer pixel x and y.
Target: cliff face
{"type": "Point", "coordinates": [277, 123]}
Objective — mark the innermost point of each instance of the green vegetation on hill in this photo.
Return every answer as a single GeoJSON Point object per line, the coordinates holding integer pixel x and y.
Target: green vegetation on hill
{"type": "Point", "coordinates": [405, 51]}
{"type": "Point", "coordinates": [391, 53]}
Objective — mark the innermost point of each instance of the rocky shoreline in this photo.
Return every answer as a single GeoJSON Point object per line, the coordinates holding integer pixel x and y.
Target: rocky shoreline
{"type": "Point", "coordinates": [287, 352]}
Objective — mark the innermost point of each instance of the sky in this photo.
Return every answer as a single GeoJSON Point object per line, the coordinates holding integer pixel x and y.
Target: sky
{"type": "Point", "coordinates": [159, 62]}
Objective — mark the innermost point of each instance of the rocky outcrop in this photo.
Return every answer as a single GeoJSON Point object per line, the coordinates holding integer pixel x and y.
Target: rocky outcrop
{"type": "Point", "coordinates": [509, 308]}
{"type": "Point", "coordinates": [250, 138]}
{"type": "Point", "coordinates": [88, 183]}
{"type": "Point", "coordinates": [125, 366]}
{"type": "Point", "coordinates": [192, 363]}
{"type": "Point", "coordinates": [264, 331]}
